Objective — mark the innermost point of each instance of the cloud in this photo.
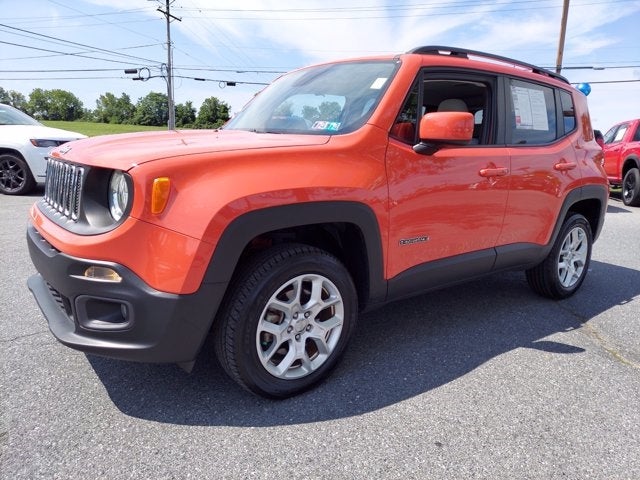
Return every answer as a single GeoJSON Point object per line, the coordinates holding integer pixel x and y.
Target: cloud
{"type": "Point", "coordinates": [318, 33]}
{"type": "Point", "coordinates": [291, 34]}
{"type": "Point", "coordinates": [287, 34]}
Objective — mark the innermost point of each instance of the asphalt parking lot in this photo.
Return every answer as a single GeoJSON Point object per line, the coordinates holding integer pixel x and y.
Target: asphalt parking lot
{"type": "Point", "coordinates": [485, 380]}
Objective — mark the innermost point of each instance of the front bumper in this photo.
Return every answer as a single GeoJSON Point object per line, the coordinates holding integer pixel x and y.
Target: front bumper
{"type": "Point", "coordinates": [128, 320]}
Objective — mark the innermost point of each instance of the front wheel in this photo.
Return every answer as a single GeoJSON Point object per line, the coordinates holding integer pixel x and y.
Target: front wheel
{"type": "Point", "coordinates": [631, 188]}
{"type": "Point", "coordinates": [563, 271]}
{"type": "Point", "coordinates": [287, 320]}
{"type": "Point", "coordinates": [15, 176]}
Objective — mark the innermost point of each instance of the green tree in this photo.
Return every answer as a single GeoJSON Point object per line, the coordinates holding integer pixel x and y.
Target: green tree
{"type": "Point", "coordinates": [213, 113]}
{"type": "Point", "coordinates": [285, 109]}
{"type": "Point", "coordinates": [185, 115]}
{"type": "Point", "coordinates": [54, 105]}
{"type": "Point", "coordinates": [111, 109]}
{"type": "Point", "coordinates": [310, 113]}
{"type": "Point", "coordinates": [152, 109]}
{"type": "Point", "coordinates": [38, 104]}
{"type": "Point", "coordinates": [13, 98]}
{"type": "Point", "coordinates": [330, 111]}
{"type": "Point", "coordinates": [326, 111]}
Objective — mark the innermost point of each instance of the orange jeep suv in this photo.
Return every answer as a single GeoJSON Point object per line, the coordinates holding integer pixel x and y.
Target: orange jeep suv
{"type": "Point", "coordinates": [338, 188]}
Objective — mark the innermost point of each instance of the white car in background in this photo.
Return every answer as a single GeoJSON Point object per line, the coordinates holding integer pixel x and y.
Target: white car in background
{"type": "Point", "coordinates": [24, 144]}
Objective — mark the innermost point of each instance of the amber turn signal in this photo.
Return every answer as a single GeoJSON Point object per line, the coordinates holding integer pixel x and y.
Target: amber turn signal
{"type": "Point", "coordinates": [160, 194]}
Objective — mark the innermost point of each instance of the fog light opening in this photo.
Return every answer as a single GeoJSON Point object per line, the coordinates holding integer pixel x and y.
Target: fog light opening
{"type": "Point", "coordinates": [95, 313]}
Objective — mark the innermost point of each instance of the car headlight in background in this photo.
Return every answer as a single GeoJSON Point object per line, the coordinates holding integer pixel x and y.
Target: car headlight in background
{"type": "Point", "coordinates": [118, 195]}
{"type": "Point", "coordinates": [45, 143]}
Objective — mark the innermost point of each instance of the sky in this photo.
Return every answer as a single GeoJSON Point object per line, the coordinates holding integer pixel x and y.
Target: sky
{"type": "Point", "coordinates": [84, 46]}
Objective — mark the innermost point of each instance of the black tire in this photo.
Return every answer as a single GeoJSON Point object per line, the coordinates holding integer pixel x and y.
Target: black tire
{"type": "Point", "coordinates": [15, 176]}
{"type": "Point", "coordinates": [563, 271]}
{"type": "Point", "coordinates": [631, 188]}
{"type": "Point", "coordinates": [275, 342]}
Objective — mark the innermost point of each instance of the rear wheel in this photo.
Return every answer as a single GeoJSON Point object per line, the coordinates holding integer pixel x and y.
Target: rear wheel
{"type": "Point", "coordinates": [631, 188]}
{"type": "Point", "coordinates": [287, 321]}
{"type": "Point", "coordinates": [563, 271]}
{"type": "Point", "coordinates": [15, 176]}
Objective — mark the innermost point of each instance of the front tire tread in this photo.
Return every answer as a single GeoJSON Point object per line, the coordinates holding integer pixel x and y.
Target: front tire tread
{"type": "Point", "coordinates": [233, 328]}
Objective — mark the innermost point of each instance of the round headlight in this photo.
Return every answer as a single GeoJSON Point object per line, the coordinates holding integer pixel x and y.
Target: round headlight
{"type": "Point", "coordinates": [118, 195]}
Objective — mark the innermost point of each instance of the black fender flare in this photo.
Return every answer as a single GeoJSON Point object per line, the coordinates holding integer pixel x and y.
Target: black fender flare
{"type": "Point", "coordinates": [587, 192]}
{"type": "Point", "coordinates": [629, 159]}
{"type": "Point", "coordinates": [248, 226]}
{"type": "Point", "coordinates": [529, 255]}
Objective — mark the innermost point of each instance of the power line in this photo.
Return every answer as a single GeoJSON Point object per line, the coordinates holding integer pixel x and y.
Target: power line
{"type": "Point", "coordinates": [243, 71]}
{"type": "Point", "coordinates": [117, 25]}
{"type": "Point", "coordinates": [219, 34]}
{"type": "Point", "coordinates": [71, 17]}
{"type": "Point", "coordinates": [78, 25]}
{"type": "Point", "coordinates": [397, 7]}
{"type": "Point", "coordinates": [69, 42]}
{"type": "Point", "coordinates": [357, 13]}
{"type": "Point", "coordinates": [616, 81]}
{"type": "Point", "coordinates": [227, 82]}
{"type": "Point", "coordinates": [63, 54]}
{"type": "Point", "coordinates": [80, 55]}
{"type": "Point", "coordinates": [63, 70]}
{"type": "Point", "coordinates": [74, 70]}
{"type": "Point", "coordinates": [396, 10]}
{"type": "Point", "coordinates": [61, 78]}
{"type": "Point", "coordinates": [611, 67]}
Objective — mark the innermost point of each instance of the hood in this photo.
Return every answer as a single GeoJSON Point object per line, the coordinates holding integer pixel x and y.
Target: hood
{"type": "Point", "coordinates": [124, 151]}
{"type": "Point", "coordinates": [25, 132]}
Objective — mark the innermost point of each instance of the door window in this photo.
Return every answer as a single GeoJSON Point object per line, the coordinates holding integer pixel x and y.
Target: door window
{"type": "Point", "coordinates": [532, 115]}
{"type": "Point", "coordinates": [434, 93]}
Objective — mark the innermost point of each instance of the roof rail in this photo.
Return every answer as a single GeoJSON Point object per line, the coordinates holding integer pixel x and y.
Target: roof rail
{"type": "Point", "coordinates": [464, 53]}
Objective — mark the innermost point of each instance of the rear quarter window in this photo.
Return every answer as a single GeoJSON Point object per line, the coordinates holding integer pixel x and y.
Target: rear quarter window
{"type": "Point", "coordinates": [568, 111]}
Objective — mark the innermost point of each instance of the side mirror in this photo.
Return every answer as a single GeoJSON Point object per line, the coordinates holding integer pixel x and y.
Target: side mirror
{"type": "Point", "coordinates": [439, 128]}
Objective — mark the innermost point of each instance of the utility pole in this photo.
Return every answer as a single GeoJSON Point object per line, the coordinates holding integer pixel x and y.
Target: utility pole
{"type": "Point", "coordinates": [169, 72]}
{"type": "Point", "coordinates": [563, 31]}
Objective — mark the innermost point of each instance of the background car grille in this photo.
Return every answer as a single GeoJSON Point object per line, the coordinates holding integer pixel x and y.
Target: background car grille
{"type": "Point", "coordinates": [63, 188]}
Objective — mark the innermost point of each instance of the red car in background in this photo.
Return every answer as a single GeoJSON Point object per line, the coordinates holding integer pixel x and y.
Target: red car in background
{"type": "Point", "coordinates": [622, 159]}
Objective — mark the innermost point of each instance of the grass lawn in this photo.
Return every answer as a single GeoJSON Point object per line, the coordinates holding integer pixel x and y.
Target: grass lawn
{"type": "Point", "coordinates": [91, 129]}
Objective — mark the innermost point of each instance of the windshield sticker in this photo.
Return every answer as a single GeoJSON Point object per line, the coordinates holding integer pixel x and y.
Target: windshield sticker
{"type": "Point", "coordinates": [378, 83]}
{"type": "Point", "coordinates": [530, 109]}
{"type": "Point", "coordinates": [322, 125]}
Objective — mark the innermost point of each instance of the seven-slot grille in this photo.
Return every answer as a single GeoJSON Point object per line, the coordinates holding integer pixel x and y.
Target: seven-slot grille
{"type": "Point", "coordinates": [63, 189]}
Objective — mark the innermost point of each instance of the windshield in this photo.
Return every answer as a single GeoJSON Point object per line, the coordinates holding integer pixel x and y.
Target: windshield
{"type": "Point", "coordinates": [327, 99]}
{"type": "Point", "coordinates": [615, 133]}
{"type": "Point", "coordinates": [13, 116]}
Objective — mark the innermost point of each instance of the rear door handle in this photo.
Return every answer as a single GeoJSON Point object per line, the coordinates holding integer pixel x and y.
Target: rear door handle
{"type": "Point", "coordinates": [564, 166]}
{"type": "Point", "coordinates": [494, 172]}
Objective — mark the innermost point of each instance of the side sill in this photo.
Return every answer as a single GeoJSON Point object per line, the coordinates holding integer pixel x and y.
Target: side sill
{"type": "Point", "coordinates": [441, 273]}
{"type": "Point", "coordinates": [463, 268]}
